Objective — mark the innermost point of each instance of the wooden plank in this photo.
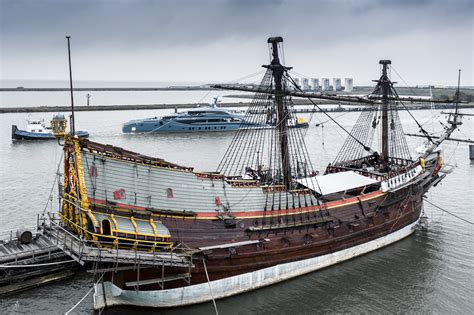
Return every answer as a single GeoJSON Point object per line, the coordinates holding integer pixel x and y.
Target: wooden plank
{"type": "Point", "coordinates": [19, 286]}
{"type": "Point", "coordinates": [237, 244]}
{"type": "Point", "coordinates": [158, 280]}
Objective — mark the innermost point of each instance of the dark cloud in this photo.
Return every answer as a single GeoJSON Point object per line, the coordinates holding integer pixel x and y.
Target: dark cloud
{"type": "Point", "coordinates": [118, 27]}
{"type": "Point", "coordinates": [185, 22]}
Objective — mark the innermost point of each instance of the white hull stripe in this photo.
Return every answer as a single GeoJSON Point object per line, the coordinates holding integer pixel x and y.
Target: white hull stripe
{"type": "Point", "coordinates": [222, 288]}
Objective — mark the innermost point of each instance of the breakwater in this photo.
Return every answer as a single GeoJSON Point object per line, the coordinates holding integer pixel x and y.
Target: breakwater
{"type": "Point", "coordinates": [64, 108]}
{"type": "Point", "coordinates": [108, 89]}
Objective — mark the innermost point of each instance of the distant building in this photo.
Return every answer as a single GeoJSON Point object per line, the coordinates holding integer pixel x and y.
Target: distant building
{"type": "Point", "coordinates": [348, 84]}
{"type": "Point", "coordinates": [336, 83]}
{"type": "Point", "coordinates": [326, 85]}
{"type": "Point", "coordinates": [304, 84]}
{"type": "Point", "coordinates": [315, 84]}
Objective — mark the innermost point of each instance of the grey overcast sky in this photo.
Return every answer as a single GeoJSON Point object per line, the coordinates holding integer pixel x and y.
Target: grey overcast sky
{"type": "Point", "coordinates": [212, 40]}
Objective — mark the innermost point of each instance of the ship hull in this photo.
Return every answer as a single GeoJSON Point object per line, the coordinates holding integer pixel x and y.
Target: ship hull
{"type": "Point", "coordinates": [244, 246]}
{"type": "Point", "coordinates": [286, 253]}
{"type": "Point", "coordinates": [109, 294]}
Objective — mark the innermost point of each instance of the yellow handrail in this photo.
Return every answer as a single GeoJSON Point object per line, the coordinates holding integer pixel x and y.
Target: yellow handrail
{"type": "Point", "coordinates": [167, 244]}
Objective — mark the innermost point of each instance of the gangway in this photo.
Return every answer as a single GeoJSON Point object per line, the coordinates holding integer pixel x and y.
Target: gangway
{"type": "Point", "coordinates": [84, 251]}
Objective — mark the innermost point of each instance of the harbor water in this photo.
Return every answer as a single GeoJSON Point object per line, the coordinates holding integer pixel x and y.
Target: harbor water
{"type": "Point", "coordinates": [431, 271]}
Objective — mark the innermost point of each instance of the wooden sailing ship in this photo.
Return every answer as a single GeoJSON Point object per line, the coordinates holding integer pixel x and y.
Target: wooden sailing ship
{"type": "Point", "coordinates": [264, 216]}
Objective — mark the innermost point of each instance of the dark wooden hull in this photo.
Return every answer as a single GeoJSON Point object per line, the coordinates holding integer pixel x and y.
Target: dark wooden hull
{"type": "Point", "coordinates": [290, 238]}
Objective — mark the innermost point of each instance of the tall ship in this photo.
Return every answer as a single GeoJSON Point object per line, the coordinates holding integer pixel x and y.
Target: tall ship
{"type": "Point", "coordinates": [159, 234]}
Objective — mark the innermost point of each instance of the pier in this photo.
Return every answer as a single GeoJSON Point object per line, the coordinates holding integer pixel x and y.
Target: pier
{"type": "Point", "coordinates": [47, 252]}
{"type": "Point", "coordinates": [29, 260]}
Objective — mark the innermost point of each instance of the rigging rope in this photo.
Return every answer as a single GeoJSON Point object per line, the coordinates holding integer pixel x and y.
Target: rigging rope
{"type": "Point", "coordinates": [444, 210]}
{"type": "Point", "coordinates": [324, 112]}
{"type": "Point", "coordinates": [427, 135]}
{"type": "Point", "coordinates": [404, 82]}
{"type": "Point", "coordinates": [210, 287]}
{"type": "Point", "coordinates": [54, 183]}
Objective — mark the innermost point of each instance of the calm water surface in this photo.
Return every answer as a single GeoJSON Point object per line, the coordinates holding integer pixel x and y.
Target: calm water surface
{"type": "Point", "coordinates": [429, 272]}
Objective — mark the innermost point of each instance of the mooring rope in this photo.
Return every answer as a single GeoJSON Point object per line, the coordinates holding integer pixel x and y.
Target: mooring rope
{"type": "Point", "coordinates": [37, 265]}
{"type": "Point", "coordinates": [80, 301]}
{"type": "Point", "coordinates": [84, 297]}
{"type": "Point", "coordinates": [210, 288]}
{"type": "Point", "coordinates": [444, 210]}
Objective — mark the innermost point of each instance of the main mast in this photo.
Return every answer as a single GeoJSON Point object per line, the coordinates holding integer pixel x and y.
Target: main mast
{"type": "Point", "coordinates": [385, 84]}
{"type": "Point", "coordinates": [282, 112]}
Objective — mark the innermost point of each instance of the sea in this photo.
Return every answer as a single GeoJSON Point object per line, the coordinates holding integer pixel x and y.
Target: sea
{"type": "Point", "coordinates": [430, 272]}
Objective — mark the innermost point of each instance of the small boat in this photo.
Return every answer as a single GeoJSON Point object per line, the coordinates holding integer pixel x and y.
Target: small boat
{"type": "Point", "coordinates": [37, 130]}
{"type": "Point", "coordinates": [299, 123]}
{"type": "Point", "coordinates": [272, 119]}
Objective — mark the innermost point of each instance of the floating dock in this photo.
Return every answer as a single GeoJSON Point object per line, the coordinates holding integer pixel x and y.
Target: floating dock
{"type": "Point", "coordinates": [48, 252]}
{"type": "Point", "coordinates": [28, 259]}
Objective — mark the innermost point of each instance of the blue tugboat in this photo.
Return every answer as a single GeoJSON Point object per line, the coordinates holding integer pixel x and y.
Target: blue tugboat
{"type": "Point", "coordinates": [37, 130]}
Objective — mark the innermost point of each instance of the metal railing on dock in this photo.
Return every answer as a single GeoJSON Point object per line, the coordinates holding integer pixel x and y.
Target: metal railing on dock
{"type": "Point", "coordinates": [83, 251]}
{"type": "Point", "coordinates": [13, 251]}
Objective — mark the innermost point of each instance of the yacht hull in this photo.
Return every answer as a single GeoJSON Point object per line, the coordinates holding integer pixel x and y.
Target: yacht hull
{"type": "Point", "coordinates": [176, 127]}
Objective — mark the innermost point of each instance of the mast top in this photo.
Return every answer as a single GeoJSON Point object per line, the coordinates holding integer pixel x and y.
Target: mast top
{"type": "Point", "coordinates": [277, 39]}
{"type": "Point", "coordinates": [385, 62]}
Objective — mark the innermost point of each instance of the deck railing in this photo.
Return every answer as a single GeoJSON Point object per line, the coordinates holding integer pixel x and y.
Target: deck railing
{"type": "Point", "coordinates": [83, 250]}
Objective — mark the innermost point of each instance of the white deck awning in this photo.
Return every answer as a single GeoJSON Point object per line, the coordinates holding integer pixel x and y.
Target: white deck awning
{"type": "Point", "coordinates": [336, 182]}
